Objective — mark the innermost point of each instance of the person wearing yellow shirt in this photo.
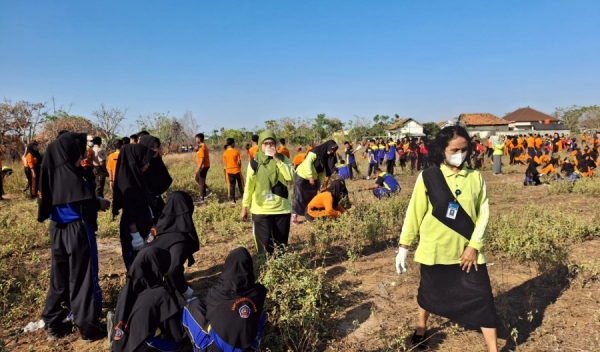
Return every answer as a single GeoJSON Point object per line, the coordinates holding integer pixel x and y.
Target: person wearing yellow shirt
{"type": "Point", "coordinates": [451, 223]}
{"type": "Point", "coordinates": [266, 195]}
{"type": "Point", "coordinates": [498, 148]}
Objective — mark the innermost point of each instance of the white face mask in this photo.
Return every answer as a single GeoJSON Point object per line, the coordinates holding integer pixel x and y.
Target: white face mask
{"type": "Point", "coordinates": [91, 144]}
{"type": "Point", "coordinates": [455, 159]}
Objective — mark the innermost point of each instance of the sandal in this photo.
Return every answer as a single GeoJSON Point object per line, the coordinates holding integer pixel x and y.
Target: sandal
{"type": "Point", "coordinates": [418, 340]}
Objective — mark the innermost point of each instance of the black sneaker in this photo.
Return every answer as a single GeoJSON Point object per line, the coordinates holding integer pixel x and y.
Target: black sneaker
{"type": "Point", "coordinates": [59, 331]}
{"type": "Point", "coordinates": [101, 334]}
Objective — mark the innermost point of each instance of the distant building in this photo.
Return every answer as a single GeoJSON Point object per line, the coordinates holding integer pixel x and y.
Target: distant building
{"type": "Point", "coordinates": [528, 120]}
{"type": "Point", "coordinates": [482, 125]}
{"type": "Point", "coordinates": [405, 128]}
{"type": "Point", "coordinates": [444, 124]}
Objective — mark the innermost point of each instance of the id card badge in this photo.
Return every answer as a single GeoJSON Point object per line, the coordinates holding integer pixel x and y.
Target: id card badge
{"type": "Point", "coordinates": [270, 197]}
{"type": "Point", "coordinates": [452, 210]}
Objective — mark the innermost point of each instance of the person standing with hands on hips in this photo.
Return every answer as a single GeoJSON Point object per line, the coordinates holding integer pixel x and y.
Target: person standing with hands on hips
{"type": "Point", "coordinates": [266, 194]}
{"type": "Point", "coordinates": [449, 210]}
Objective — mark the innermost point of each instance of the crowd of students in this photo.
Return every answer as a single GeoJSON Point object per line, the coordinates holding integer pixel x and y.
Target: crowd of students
{"type": "Point", "coordinates": [157, 308]}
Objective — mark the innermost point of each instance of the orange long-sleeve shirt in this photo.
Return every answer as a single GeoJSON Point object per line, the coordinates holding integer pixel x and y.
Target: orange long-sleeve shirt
{"type": "Point", "coordinates": [111, 164]}
{"type": "Point", "coordinates": [252, 151]}
{"type": "Point", "coordinates": [31, 161]}
{"type": "Point", "coordinates": [285, 151]}
{"type": "Point", "coordinates": [322, 205]}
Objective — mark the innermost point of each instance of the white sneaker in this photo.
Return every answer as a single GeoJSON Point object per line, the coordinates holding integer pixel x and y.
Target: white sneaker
{"type": "Point", "coordinates": [368, 177]}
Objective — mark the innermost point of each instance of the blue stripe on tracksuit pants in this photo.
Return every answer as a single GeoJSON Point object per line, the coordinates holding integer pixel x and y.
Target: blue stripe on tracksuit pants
{"type": "Point", "coordinates": [74, 280]}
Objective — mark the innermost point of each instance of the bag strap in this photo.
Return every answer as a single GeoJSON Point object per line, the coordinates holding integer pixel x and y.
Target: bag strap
{"type": "Point", "coordinates": [440, 195]}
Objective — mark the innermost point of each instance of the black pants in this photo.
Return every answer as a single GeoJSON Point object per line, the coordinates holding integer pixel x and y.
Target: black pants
{"type": "Point", "coordinates": [390, 166]}
{"type": "Point", "coordinates": [270, 231]}
{"type": "Point", "coordinates": [423, 161]}
{"type": "Point", "coordinates": [74, 278]}
{"type": "Point", "coordinates": [201, 180]}
{"type": "Point", "coordinates": [402, 162]}
{"type": "Point", "coordinates": [233, 179]}
{"type": "Point", "coordinates": [352, 165]}
{"type": "Point", "coordinates": [413, 161]}
{"type": "Point", "coordinates": [100, 174]}
{"type": "Point", "coordinates": [28, 176]}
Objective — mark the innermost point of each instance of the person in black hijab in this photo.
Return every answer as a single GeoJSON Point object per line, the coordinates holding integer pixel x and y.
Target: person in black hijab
{"type": "Point", "coordinates": [148, 316]}
{"type": "Point", "coordinates": [319, 162]}
{"type": "Point", "coordinates": [69, 202]}
{"type": "Point", "coordinates": [131, 194]}
{"type": "Point", "coordinates": [175, 232]}
{"type": "Point", "coordinates": [157, 177]}
{"type": "Point", "coordinates": [233, 316]}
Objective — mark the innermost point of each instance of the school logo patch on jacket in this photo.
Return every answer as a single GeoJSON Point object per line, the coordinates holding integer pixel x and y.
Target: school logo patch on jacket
{"type": "Point", "coordinates": [118, 334]}
{"type": "Point", "coordinates": [245, 311]}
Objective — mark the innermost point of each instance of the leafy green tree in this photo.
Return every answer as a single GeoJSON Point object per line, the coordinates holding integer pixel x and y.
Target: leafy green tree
{"type": "Point", "coordinates": [431, 129]}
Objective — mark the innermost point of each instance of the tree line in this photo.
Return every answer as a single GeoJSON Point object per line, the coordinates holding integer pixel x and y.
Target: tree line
{"type": "Point", "coordinates": [23, 121]}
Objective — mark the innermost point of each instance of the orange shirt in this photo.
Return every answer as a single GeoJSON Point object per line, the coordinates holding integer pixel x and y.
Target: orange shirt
{"type": "Point", "coordinates": [111, 164]}
{"type": "Point", "coordinates": [31, 161]}
{"type": "Point", "coordinates": [530, 142]}
{"type": "Point", "coordinates": [538, 143]}
{"type": "Point", "coordinates": [519, 142]}
{"type": "Point", "coordinates": [87, 161]}
{"type": "Point", "coordinates": [203, 153]}
{"type": "Point", "coordinates": [298, 159]}
{"type": "Point", "coordinates": [322, 205]}
{"type": "Point", "coordinates": [283, 150]}
{"type": "Point", "coordinates": [252, 150]}
{"type": "Point", "coordinates": [232, 160]}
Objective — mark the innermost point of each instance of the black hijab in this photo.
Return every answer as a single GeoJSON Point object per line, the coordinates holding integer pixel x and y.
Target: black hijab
{"type": "Point", "coordinates": [130, 183]}
{"type": "Point", "coordinates": [176, 224]}
{"type": "Point", "coordinates": [144, 298]}
{"type": "Point", "coordinates": [157, 176]}
{"type": "Point", "coordinates": [61, 182]}
{"type": "Point", "coordinates": [325, 162]}
{"type": "Point", "coordinates": [234, 305]}
{"type": "Point", "coordinates": [35, 153]}
{"type": "Point", "coordinates": [338, 191]}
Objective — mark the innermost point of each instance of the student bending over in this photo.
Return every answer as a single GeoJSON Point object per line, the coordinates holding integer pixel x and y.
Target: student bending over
{"type": "Point", "coordinates": [385, 185]}
{"type": "Point", "coordinates": [175, 232]}
{"type": "Point", "coordinates": [327, 204]}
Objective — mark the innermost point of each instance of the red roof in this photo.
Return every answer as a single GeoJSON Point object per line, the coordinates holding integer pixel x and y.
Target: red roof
{"type": "Point", "coordinates": [529, 115]}
{"type": "Point", "coordinates": [481, 119]}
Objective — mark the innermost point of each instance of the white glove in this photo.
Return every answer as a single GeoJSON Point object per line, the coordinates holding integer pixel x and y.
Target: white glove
{"type": "Point", "coordinates": [188, 293]}
{"type": "Point", "coordinates": [401, 260]}
{"type": "Point", "coordinates": [136, 241]}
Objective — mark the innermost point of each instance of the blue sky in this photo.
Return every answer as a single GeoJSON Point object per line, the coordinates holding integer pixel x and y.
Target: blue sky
{"type": "Point", "coordinates": [239, 63]}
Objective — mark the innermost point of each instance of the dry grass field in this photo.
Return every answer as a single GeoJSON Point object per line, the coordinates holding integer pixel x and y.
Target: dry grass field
{"type": "Point", "coordinates": [336, 289]}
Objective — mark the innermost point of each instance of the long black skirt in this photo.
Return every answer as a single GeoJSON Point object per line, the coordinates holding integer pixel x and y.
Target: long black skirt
{"type": "Point", "coordinates": [304, 192]}
{"type": "Point", "coordinates": [448, 291]}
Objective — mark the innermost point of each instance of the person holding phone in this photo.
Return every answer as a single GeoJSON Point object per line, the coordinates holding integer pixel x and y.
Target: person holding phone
{"type": "Point", "coordinates": [266, 195]}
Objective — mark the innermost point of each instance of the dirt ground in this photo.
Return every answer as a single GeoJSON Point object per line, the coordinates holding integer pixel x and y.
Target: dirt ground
{"type": "Point", "coordinates": [559, 311]}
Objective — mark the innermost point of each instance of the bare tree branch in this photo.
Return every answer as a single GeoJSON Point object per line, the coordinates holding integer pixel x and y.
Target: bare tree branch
{"type": "Point", "coordinates": [109, 120]}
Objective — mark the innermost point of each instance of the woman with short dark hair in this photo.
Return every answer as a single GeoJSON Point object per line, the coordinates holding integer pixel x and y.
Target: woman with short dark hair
{"type": "Point", "coordinates": [451, 222]}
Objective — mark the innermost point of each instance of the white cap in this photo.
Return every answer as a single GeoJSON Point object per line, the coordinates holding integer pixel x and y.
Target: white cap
{"type": "Point", "coordinates": [90, 138]}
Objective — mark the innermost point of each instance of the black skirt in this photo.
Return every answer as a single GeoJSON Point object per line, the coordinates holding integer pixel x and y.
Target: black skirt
{"type": "Point", "coordinates": [304, 192]}
{"type": "Point", "coordinates": [448, 291]}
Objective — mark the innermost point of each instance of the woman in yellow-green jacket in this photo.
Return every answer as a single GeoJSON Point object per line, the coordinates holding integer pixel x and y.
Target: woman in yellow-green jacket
{"type": "Point", "coordinates": [266, 195]}
{"type": "Point", "coordinates": [449, 211]}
